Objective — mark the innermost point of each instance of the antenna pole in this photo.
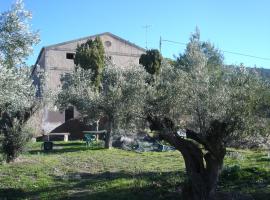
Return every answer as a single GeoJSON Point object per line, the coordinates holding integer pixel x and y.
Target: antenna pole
{"type": "Point", "coordinates": [146, 27]}
{"type": "Point", "coordinates": [160, 43]}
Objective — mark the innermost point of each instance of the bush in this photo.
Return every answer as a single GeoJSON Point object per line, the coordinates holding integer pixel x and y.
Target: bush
{"type": "Point", "coordinates": [14, 140]}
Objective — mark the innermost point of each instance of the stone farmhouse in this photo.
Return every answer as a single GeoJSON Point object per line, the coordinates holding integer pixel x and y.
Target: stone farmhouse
{"type": "Point", "coordinates": [57, 59]}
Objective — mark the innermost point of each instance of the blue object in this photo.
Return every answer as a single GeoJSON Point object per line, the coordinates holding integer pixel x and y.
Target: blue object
{"type": "Point", "coordinates": [89, 138]}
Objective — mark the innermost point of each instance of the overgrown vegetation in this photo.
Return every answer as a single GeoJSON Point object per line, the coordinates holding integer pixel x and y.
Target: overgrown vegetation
{"type": "Point", "coordinates": [212, 104]}
{"type": "Point", "coordinates": [17, 94]}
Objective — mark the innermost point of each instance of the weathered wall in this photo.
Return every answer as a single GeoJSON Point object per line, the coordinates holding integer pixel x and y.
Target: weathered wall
{"type": "Point", "coordinates": [34, 123]}
{"type": "Point", "coordinates": [122, 55]}
{"type": "Point", "coordinates": [53, 60]}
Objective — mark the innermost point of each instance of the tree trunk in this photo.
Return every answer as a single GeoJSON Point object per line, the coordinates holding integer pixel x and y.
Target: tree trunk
{"type": "Point", "coordinates": [213, 170]}
{"type": "Point", "coordinates": [202, 178]}
{"type": "Point", "coordinates": [108, 140]}
{"type": "Point", "coordinates": [97, 126]}
{"type": "Point", "coordinates": [202, 169]}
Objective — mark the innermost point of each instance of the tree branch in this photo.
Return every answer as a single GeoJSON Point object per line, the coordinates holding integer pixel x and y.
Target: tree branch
{"type": "Point", "coordinates": [195, 136]}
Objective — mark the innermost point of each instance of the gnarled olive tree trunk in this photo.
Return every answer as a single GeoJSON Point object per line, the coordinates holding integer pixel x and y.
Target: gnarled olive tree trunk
{"type": "Point", "coordinates": [202, 168]}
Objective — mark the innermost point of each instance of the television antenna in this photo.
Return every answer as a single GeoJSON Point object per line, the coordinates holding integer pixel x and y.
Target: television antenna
{"type": "Point", "coordinates": [146, 27]}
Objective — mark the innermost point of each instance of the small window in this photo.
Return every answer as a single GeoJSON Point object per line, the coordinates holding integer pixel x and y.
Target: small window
{"type": "Point", "coordinates": [70, 56]}
{"type": "Point", "coordinates": [108, 43]}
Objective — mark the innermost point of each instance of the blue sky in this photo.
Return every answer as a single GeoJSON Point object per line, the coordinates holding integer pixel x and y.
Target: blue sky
{"type": "Point", "coordinates": [241, 26]}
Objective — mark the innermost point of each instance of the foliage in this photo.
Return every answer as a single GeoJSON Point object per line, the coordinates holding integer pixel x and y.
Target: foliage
{"type": "Point", "coordinates": [151, 61]}
{"type": "Point", "coordinates": [91, 56]}
{"type": "Point", "coordinates": [186, 61]}
{"type": "Point", "coordinates": [16, 36]}
{"type": "Point", "coordinates": [17, 97]}
{"type": "Point", "coordinates": [196, 97]}
{"type": "Point", "coordinates": [14, 140]}
{"type": "Point", "coordinates": [17, 94]}
{"type": "Point", "coordinates": [212, 104]}
{"type": "Point", "coordinates": [119, 101]}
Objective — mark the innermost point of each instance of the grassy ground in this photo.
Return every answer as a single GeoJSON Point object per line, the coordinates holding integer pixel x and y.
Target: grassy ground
{"type": "Point", "coordinates": [73, 171]}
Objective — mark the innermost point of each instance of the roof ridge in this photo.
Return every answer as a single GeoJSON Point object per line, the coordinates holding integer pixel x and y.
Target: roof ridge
{"type": "Point", "coordinates": [74, 40]}
{"type": "Point", "coordinates": [84, 38]}
{"type": "Point", "coordinates": [96, 35]}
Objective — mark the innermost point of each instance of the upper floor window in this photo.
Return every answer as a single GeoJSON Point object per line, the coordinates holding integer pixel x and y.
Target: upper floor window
{"type": "Point", "coordinates": [70, 56]}
{"type": "Point", "coordinates": [108, 43]}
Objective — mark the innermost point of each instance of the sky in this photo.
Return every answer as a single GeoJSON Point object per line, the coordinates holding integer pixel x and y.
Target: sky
{"type": "Point", "coordinates": [241, 26]}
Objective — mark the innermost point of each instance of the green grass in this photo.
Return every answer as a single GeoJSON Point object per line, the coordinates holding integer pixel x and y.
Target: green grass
{"type": "Point", "coordinates": [72, 171]}
{"type": "Point", "coordinates": [247, 171]}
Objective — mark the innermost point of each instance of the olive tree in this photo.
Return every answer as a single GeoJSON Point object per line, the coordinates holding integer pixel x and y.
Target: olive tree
{"type": "Point", "coordinates": [17, 102]}
{"type": "Point", "coordinates": [212, 105]}
{"type": "Point", "coordinates": [214, 58]}
{"type": "Point", "coordinates": [16, 36]}
{"type": "Point", "coordinates": [119, 100]}
{"type": "Point", "coordinates": [17, 94]}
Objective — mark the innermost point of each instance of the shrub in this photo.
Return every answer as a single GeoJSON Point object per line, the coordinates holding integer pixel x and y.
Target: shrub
{"type": "Point", "coordinates": [14, 140]}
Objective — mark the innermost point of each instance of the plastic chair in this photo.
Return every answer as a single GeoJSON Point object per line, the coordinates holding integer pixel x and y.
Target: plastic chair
{"type": "Point", "coordinates": [89, 138]}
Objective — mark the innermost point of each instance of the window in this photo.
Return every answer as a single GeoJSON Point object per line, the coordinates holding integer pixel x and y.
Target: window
{"type": "Point", "coordinates": [108, 43]}
{"type": "Point", "coordinates": [70, 56]}
{"type": "Point", "coordinates": [69, 113]}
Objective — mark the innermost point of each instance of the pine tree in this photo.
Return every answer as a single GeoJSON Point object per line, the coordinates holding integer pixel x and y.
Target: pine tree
{"type": "Point", "coordinates": [151, 61]}
{"type": "Point", "coordinates": [91, 56]}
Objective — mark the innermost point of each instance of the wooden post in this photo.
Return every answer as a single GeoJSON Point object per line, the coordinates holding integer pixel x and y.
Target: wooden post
{"type": "Point", "coordinates": [66, 138]}
{"type": "Point", "coordinates": [97, 124]}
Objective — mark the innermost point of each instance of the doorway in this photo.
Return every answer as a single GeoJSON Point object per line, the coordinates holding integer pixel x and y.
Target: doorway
{"type": "Point", "coordinates": [69, 113]}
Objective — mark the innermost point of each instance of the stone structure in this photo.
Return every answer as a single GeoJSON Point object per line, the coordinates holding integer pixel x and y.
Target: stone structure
{"type": "Point", "coordinates": [56, 60]}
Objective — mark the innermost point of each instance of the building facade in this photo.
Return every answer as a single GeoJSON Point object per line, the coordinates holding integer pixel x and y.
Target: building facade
{"type": "Point", "coordinates": [56, 60]}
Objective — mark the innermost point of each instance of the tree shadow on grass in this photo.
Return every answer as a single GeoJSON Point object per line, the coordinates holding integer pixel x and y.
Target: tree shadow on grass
{"type": "Point", "coordinates": [70, 144]}
{"type": "Point", "coordinates": [115, 185]}
{"type": "Point", "coordinates": [11, 193]}
{"type": "Point", "coordinates": [142, 193]}
{"type": "Point", "coordinates": [107, 185]}
{"type": "Point", "coordinates": [251, 180]}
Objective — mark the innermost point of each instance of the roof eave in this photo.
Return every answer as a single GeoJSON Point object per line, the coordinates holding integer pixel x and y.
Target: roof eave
{"type": "Point", "coordinates": [88, 37]}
